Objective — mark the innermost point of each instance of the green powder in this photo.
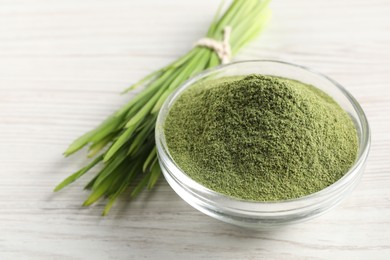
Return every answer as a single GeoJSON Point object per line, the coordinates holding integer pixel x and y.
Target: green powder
{"type": "Point", "coordinates": [260, 138]}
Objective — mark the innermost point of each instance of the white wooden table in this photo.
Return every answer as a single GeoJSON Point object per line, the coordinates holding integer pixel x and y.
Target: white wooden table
{"type": "Point", "coordinates": [62, 65]}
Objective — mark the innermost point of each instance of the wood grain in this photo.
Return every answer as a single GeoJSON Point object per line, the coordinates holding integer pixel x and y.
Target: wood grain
{"type": "Point", "coordinates": [62, 65]}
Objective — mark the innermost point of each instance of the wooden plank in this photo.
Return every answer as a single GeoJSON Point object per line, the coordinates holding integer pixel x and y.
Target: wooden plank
{"type": "Point", "coordinates": [62, 65]}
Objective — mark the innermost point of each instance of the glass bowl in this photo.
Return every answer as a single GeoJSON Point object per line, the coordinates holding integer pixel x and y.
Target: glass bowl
{"type": "Point", "coordinates": [264, 215]}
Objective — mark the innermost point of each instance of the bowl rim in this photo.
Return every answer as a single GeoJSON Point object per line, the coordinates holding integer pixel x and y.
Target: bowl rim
{"type": "Point", "coordinates": [163, 152]}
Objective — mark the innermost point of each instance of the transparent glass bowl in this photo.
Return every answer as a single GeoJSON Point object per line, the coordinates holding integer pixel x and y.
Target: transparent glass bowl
{"type": "Point", "coordinates": [264, 215]}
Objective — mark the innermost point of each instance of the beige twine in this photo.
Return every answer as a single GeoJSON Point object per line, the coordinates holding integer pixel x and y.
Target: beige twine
{"type": "Point", "coordinates": [221, 48]}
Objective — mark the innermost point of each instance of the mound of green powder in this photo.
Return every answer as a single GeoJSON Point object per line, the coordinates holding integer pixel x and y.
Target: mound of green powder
{"type": "Point", "coordinates": [260, 138]}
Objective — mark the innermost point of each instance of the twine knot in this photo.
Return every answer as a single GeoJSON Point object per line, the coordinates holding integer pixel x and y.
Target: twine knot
{"type": "Point", "coordinates": [221, 48]}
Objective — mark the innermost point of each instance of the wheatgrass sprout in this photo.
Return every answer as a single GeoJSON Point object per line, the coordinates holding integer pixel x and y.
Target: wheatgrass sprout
{"type": "Point", "coordinates": [124, 143]}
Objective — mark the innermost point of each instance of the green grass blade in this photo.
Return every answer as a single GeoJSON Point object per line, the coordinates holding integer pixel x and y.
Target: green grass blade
{"type": "Point", "coordinates": [99, 191]}
{"type": "Point", "coordinates": [91, 183]}
{"type": "Point", "coordinates": [143, 81]}
{"type": "Point", "coordinates": [97, 147]}
{"type": "Point", "coordinates": [108, 206]}
{"type": "Point", "coordinates": [79, 143]}
{"type": "Point", "coordinates": [151, 157]}
{"type": "Point", "coordinates": [155, 173]}
{"type": "Point", "coordinates": [141, 137]}
{"type": "Point", "coordinates": [214, 23]}
{"type": "Point", "coordinates": [123, 138]}
{"type": "Point", "coordinates": [141, 185]}
{"type": "Point", "coordinates": [110, 167]}
{"type": "Point", "coordinates": [78, 174]}
{"type": "Point", "coordinates": [136, 119]}
{"type": "Point", "coordinates": [120, 189]}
